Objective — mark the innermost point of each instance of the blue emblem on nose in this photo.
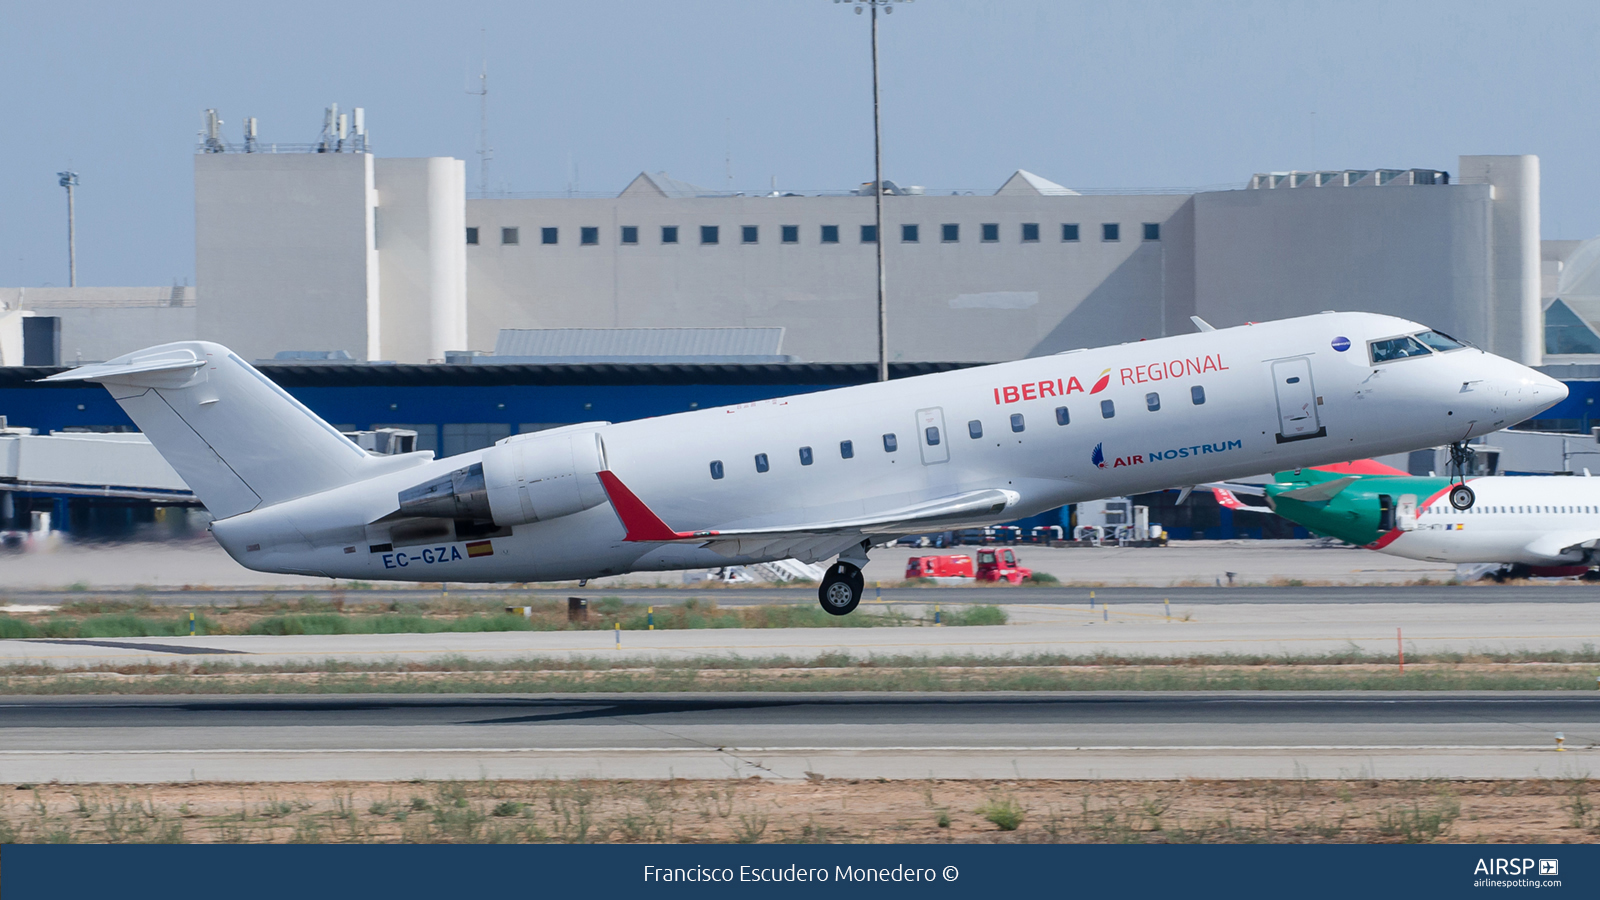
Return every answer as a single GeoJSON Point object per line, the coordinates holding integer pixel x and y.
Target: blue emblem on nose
{"type": "Point", "coordinates": [1098, 457]}
{"type": "Point", "coordinates": [1341, 343]}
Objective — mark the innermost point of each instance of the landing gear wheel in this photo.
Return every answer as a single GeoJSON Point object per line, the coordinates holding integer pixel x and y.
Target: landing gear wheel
{"type": "Point", "coordinates": [841, 589]}
{"type": "Point", "coordinates": [1462, 497]}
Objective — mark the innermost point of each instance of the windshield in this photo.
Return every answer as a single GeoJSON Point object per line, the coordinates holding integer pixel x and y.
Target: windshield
{"type": "Point", "coordinates": [1397, 348]}
{"type": "Point", "coordinates": [1440, 341]}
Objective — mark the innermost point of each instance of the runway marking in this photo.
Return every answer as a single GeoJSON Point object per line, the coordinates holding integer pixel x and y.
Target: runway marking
{"type": "Point", "coordinates": [1109, 748]}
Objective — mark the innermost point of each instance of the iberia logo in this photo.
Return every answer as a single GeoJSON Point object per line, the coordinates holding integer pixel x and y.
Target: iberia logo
{"type": "Point", "coordinates": [1105, 379]}
{"type": "Point", "coordinates": [1098, 457]}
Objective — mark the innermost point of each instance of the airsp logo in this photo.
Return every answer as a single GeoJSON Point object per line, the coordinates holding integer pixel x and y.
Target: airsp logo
{"type": "Point", "coordinates": [1549, 867]}
{"type": "Point", "coordinates": [1514, 866]}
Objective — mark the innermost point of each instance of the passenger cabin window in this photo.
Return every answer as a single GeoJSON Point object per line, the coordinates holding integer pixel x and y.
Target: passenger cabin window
{"type": "Point", "coordinates": [1069, 232]}
{"type": "Point", "coordinates": [1061, 416]}
{"type": "Point", "coordinates": [1439, 341]}
{"type": "Point", "coordinates": [1152, 401]}
{"type": "Point", "coordinates": [847, 449]}
{"type": "Point", "coordinates": [549, 235]}
{"type": "Point", "coordinates": [751, 233]}
{"type": "Point", "coordinates": [669, 234]}
{"type": "Point", "coordinates": [975, 429]}
{"type": "Point", "coordinates": [805, 456]}
{"type": "Point", "coordinates": [932, 433]}
{"type": "Point", "coordinates": [761, 462]}
{"type": "Point", "coordinates": [1016, 422]}
{"type": "Point", "coordinates": [830, 234]}
{"type": "Point", "coordinates": [588, 235]}
{"type": "Point", "coordinates": [1397, 348]}
{"type": "Point", "coordinates": [1030, 232]}
{"type": "Point", "coordinates": [1107, 409]}
{"type": "Point", "coordinates": [791, 234]}
{"type": "Point", "coordinates": [716, 468]}
{"type": "Point", "coordinates": [1197, 395]}
{"type": "Point", "coordinates": [710, 234]}
{"type": "Point", "coordinates": [630, 234]}
{"type": "Point", "coordinates": [950, 233]}
{"type": "Point", "coordinates": [890, 443]}
{"type": "Point", "coordinates": [909, 234]}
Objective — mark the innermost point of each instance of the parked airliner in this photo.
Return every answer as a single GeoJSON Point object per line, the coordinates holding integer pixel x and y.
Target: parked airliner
{"type": "Point", "coordinates": [1531, 525]}
{"type": "Point", "coordinates": [815, 476]}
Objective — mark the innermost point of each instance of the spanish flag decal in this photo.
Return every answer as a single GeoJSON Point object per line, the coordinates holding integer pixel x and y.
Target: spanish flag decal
{"type": "Point", "coordinates": [480, 548]}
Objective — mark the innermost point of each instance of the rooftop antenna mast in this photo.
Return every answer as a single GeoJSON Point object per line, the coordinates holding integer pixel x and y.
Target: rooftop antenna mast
{"type": "Point", "coordinates": [485, 152]}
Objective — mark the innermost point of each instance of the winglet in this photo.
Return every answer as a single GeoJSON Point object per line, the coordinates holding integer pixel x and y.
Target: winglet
{"type": "Point", "coordinates": [640, 522]}
{"type": "Point", "coordinates": [1326, 490]}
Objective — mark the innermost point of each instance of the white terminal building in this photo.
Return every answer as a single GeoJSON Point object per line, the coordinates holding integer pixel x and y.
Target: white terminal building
{"type": "Point", "coordinates": [327, 249]}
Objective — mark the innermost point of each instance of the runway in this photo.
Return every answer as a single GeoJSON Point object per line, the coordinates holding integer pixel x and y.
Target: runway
{"type": "Point", "coordinates": [994, 735]}
{"type": "Point", "coordinates": [999, 595]}
{"type": "Point", "coordinates": [1123, 629]}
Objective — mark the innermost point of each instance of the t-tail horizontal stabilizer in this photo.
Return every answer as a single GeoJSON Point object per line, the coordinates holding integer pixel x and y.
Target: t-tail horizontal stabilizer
{"type": "Point", "coordinates": [1327, 490]}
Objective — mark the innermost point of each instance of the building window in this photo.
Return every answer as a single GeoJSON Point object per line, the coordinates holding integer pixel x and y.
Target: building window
{"type": "Point", "coordinates": [805, 456]}
{"type": "Point", "coordinates": [549, 235]}
{"type": "Point", "coordinates": [510, 235]}
{"type": "Point", "coordinates": [869, 234]}
{"type": "Point", "coordinates": [1152, 231]}
{"type": "Point", "coordinates": [847, 449]}
{"type": "Point", "coordinates": [708, 234]}
{"type": "Point", "coordinates": [950, 233]}
{"type": "Point", "coordinates": [1110, 231]}
{"type": "Point", "coordinates": [1069, 231]}
{"type": "Point", "coordinates": [1197, 395]}
{"type": "Point", "coordinates": [991, 232]}
{"type": "Point", "coordinates": [1030, 232]}
{"type": "Point", "coordinates": [1107, 409]}
{"type": "Point", "coordinates": [459, 437]}
{"type": "Point", "coordinates": [1152, 401]}
{"type": "Point", "coordinates": [975, 428]}
{"type": "Point", "coordinates": [750, 234]}
{"type": "Point", "coordinates": [908, 234]}
{"type": "Point", "coordinates": [669, 234]}
{"type": "Point", "coordinates": [890, 443]}
{"type": "Point", "coordinates": [1061, 416]}
{"type": "Point", "coordinates": [588, 236]}
{"type": "Point", "coordinates": [830, 234]}
{"type": "Point", "coordinates": [716, 468]}
{"type": "Point", "coordinates": [932, 434]}
{"type": "Point", "coordinates": [1016, 422]}
{"type": "Point", "coordinates": [761, 462]}
{"type": "Point", "coordinates": [472, 235]}
{"type": "Point", "coordinates": [791, 234]}
{"type": "Point", "coordinates": [630, 234]}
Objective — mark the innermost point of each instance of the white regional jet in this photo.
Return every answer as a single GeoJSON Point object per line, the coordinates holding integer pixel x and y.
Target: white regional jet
{"type": "Point", "coordinates": [814, 476]}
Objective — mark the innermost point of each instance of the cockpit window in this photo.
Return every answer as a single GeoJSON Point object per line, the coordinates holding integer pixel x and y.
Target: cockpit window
{"type": "Point", "coordinates": [1440, 341]}
{"type": "Point", "coordinates": [1397, 348]}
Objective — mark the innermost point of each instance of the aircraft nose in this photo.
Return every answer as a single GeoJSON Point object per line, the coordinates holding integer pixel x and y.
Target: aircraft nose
{"type": "Point", "coordinates": [1531, 392]}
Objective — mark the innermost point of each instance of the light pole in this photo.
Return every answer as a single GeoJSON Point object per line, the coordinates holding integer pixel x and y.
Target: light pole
{"type": "Point", "coordinates": [69, 180]}
{"type": "Point", "coordinates": [877, 184]}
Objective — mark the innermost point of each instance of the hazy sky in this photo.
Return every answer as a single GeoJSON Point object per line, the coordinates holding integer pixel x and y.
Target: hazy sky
{"type": "Point", "coordinates": [587, 94]}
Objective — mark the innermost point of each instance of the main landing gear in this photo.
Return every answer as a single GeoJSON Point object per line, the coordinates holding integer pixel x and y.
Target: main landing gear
{"type": "Point", "coordinates": [1461, 496]}
{"type": "Point", "coordinates": [841, 589]}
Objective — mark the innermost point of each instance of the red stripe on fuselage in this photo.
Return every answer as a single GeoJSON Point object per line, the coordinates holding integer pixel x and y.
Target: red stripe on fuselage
{"type": "Point", "coordinates": [1394, 533]}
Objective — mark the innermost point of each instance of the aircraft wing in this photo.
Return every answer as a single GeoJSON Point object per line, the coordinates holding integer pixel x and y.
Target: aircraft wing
{"type": "Point", "coordinates": [1254, 490]}
{"type": "Point", "coordinates": [1327, 490]}
{"type": "Point", "coordinates": [814, 539]}
{"type": "Point", "coordinates": [1553, 544]}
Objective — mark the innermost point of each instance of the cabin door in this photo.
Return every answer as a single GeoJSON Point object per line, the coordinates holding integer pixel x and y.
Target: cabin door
{"type": "Point", "coordinates": [1298, 416]}
{"type": "Point", "coordinates": [931, 436]}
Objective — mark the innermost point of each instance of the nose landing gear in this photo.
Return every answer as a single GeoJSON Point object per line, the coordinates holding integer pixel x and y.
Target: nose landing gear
{"type": "Point", "coordinates": [1461, 496]}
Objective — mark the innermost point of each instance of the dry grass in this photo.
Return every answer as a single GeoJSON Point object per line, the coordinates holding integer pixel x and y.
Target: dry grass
{"type": "Point", "coordinates": [818, 810]}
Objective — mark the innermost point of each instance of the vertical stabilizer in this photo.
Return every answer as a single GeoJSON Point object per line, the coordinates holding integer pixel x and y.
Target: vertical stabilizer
{"type": "Point", "coordinates": [238, 440]}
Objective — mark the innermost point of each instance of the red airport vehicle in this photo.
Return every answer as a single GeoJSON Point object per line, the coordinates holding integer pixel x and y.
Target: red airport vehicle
{"type": "Point", "coordinates": [1001, 565]}
{"type": "Point", "coordinates": [956, 566]}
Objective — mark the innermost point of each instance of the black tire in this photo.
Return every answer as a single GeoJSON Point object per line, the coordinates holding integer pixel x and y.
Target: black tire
{"type": "Point", "coordinates": [1462, 497]}
{"type": "Point", "coordinates": [841, 589]}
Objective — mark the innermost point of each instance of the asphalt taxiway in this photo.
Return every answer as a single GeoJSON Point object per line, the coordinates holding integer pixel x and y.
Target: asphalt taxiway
{"type": "Point", "coordinates": [990, 735]}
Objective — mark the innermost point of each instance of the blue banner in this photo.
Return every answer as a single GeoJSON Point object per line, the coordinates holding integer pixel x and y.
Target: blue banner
{"type": "Point", "coordinates": [37, 872]}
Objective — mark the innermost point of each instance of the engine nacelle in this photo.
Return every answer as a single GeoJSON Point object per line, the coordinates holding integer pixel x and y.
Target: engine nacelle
{"type": "Point", "coordinates": [528, 478]}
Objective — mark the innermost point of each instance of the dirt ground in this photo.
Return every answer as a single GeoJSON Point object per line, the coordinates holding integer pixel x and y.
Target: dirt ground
{"type": "Point", "coordinates": [821, 811]}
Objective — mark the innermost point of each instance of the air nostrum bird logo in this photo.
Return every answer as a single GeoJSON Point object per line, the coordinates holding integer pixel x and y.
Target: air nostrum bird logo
{"type": "Point", "coordinates": [1098, 457]}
